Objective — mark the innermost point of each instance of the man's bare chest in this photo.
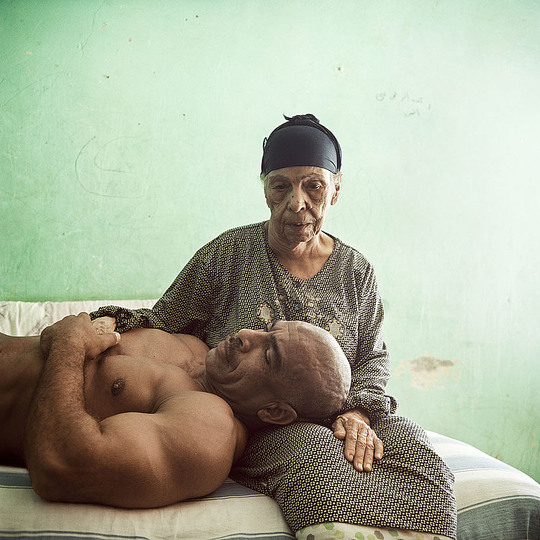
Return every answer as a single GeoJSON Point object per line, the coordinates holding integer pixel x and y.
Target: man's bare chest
{"type": "Point", "coordinates": [118, 384]}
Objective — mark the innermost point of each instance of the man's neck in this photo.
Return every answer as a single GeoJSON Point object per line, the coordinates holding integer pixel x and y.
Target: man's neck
{"type": "Point", "coordinates": [199, 376]}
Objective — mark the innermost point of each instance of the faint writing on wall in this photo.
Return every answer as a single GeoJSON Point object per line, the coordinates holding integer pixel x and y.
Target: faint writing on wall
{"type": "Point", "coordinates": [407, 104]}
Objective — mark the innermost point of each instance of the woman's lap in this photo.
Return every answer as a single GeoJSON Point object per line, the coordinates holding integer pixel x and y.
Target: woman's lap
{"type": "Point", "coordinates": [303, 468]}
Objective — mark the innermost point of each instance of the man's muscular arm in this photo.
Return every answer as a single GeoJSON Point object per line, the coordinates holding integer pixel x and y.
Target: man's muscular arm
{"type": "Point", "coordinates": [59, 432]}
{"type": "Point", "coordinates": [135, 460]}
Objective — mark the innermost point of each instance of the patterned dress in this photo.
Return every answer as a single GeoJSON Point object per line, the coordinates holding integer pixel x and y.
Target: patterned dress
{"type": "Point", "coordinates": [235, 282]}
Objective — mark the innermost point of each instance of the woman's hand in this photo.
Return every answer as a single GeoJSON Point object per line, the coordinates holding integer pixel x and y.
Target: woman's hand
{"type": "Point", "coordinates": [361, 443]}
{"type": "Point", "coordinates": [104, 325]}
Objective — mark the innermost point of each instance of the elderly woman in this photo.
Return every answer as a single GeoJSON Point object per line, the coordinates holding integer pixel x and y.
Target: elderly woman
{"type": "Point", "coordinates": [373, 469]}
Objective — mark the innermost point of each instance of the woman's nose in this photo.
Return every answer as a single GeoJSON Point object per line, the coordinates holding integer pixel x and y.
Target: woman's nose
{"type": "Point", "coordinates": [297, 200]}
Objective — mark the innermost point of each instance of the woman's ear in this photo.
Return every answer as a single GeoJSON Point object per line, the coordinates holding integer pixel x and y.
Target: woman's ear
{"type": "Point", "coordinates": [337, 189]}
{"type": "Point", "coordinates": [277, 412]}
{"type": "Point", "coordinates": [265, 189]}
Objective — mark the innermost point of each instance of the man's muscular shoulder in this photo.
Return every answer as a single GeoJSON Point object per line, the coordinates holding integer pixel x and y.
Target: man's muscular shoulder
{"type": "Point", "coordinates": [202, 415]}
{"type": "Point", "coordinates": [204, 436]}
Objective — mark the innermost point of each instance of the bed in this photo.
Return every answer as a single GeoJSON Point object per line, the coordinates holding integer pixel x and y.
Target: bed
{"type": "Point", "coordinates": [495, 501]}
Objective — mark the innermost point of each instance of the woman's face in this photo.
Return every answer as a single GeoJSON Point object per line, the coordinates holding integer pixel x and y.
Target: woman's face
{"type": "Point", "coordinates": [299, 198]}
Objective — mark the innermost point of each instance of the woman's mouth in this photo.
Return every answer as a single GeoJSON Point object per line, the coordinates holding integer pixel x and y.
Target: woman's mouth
{"type": "Point", "coordinates": [299, 225]}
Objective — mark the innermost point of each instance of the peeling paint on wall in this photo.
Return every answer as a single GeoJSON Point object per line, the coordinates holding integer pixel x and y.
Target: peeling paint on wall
{"type": "Point", "coordinates": [428, 370]}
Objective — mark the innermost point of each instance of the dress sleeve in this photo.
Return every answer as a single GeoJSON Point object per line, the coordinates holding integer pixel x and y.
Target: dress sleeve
{"type": "Point", "coordinates": [371, 368]}
{"type": "Point", "coordinates": [186, 306]}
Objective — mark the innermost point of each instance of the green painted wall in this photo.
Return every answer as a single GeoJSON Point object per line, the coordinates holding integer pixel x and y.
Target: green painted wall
{"type": "Point", "coordinates": [130, 134]}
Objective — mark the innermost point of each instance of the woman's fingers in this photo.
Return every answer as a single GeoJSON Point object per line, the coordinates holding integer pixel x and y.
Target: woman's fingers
{"type": "Point", "coordinates": [362, 445]}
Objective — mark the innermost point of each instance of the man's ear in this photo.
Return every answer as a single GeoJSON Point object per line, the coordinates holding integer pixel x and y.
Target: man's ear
{"type": "Point", "coordinates": [277, 412]}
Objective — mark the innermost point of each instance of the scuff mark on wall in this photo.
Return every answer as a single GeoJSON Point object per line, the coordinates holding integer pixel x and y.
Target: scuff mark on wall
{"type": "Point", "coordinates": [428, 370]}
{"type": "Point", "coordinates": [429, 363]}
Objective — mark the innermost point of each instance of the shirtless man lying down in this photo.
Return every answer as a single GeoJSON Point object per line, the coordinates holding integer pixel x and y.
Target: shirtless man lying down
{"type": "Point", "coordinates": [151, 418]}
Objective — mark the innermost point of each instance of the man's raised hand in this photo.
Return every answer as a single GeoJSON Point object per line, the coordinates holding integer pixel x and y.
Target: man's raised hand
{"type": "Point", "coordinates": [77, 331]}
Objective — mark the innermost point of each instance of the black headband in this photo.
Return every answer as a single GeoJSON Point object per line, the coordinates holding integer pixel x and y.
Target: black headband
{"type": "Point", "coordinates": [301, 141]}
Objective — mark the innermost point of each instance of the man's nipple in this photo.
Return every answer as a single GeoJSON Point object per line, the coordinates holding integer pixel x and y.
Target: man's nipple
{"type": "Point", "coordinates": [118, 386]}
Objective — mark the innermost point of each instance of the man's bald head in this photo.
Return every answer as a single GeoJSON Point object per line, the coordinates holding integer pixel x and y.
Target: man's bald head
{"type": "Point", "coordinates": [295, 370]}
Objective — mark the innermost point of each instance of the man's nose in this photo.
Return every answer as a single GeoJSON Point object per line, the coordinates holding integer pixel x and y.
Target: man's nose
{"type": "Point", "coordinates": [248, 338]}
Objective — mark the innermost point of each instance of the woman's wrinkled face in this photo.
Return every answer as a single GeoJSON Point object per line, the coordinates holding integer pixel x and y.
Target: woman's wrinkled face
{"type": "Point", "coordinates": [299, 198]}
